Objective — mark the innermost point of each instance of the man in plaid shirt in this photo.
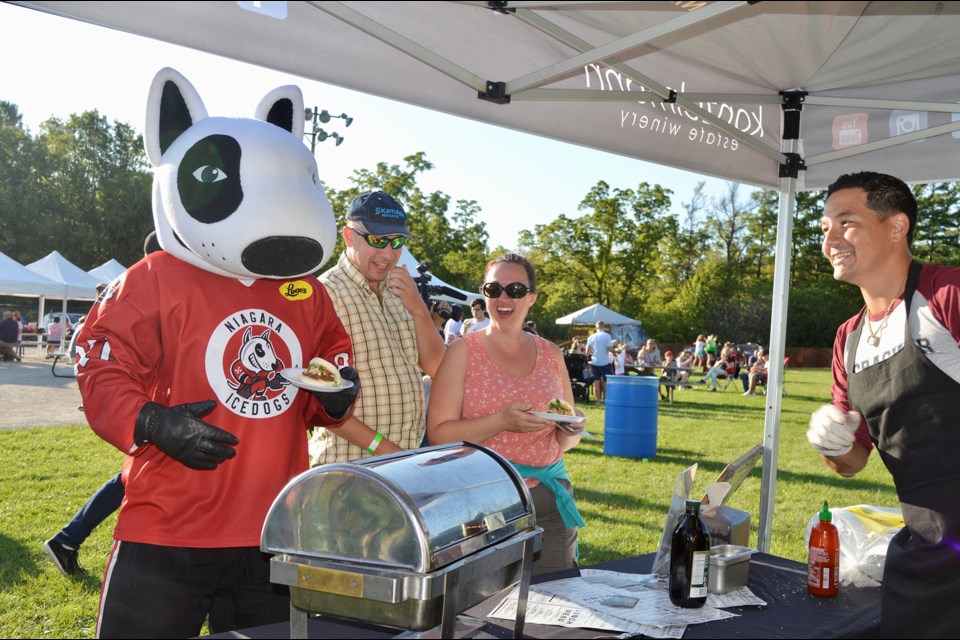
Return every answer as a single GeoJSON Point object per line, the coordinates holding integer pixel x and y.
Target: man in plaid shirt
{"type": "Point", "coordinates": [393, 335]}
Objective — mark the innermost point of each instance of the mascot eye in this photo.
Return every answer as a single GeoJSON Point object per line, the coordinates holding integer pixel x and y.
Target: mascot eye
{"type": "Point", "coordinates": [209, 174]}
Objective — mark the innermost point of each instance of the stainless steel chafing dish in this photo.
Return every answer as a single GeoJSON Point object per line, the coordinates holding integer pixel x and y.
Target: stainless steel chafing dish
{"type": "Point", "coordinates": [408, 540]}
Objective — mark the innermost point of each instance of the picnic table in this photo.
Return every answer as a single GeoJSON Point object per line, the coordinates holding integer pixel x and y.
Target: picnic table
{"type": "Point", "coordinates": [668, 379]}
{"type": "Point", "coordinates": [28, 339]}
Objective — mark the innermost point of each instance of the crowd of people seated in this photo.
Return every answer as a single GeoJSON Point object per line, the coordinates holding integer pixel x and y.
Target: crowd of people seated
{"type": "Point", "coordinates": [719, 361]}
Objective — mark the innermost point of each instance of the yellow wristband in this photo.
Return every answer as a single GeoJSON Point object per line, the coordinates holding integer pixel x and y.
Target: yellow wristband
{"type": "Point", "coordinates": [376, 443]}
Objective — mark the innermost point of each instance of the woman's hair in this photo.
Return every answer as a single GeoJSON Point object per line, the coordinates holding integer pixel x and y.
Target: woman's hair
{"type": "Point", "coordinates": [514, 258]}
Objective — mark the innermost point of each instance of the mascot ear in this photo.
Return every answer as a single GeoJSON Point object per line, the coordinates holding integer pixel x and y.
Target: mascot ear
{"type": "Point", "coordinates": [283, 107]}
{"type": "Point", "coordinates": [173, 106]}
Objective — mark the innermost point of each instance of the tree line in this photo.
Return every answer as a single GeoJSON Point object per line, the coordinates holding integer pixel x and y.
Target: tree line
{"type": "Point", "coordinates": [82, 186]}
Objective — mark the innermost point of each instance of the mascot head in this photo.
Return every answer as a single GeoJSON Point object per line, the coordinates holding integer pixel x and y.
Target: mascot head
{"type": "Point", "coordinates": [237, 197]}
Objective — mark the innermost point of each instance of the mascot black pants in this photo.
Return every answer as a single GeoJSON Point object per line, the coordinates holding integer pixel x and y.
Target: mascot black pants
{"type": "Point", "coordinates": [167, 592]}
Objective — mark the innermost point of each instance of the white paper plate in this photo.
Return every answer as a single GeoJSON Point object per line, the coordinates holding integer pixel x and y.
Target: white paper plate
{"type": "Point", "coordinates": [556, 417]}
{"type": "Point", "coordinates": [295, 376]}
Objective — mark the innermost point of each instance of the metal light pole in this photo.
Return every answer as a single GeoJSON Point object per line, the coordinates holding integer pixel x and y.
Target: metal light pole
{"type": "Point", "coordinates": [318, 133]}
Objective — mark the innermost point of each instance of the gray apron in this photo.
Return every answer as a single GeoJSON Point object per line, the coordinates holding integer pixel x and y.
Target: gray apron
{"type": "Point", "coordinates": [913, 411]}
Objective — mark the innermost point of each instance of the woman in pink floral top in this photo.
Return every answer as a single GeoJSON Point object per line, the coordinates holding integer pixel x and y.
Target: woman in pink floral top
{"type": "Point", "coordinates": [485, 389]}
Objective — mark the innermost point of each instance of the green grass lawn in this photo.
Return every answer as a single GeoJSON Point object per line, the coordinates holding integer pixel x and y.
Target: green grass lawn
{"type": "Point", "coordinates": [47, 473]}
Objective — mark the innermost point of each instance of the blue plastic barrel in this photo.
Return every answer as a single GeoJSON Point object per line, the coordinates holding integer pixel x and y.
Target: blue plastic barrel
{"type": "Point", "coordinates": [630, 424]}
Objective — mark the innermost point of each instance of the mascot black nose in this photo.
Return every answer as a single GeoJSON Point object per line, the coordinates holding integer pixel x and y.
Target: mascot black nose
{"type": "Point", "coordinates": [283, 256]}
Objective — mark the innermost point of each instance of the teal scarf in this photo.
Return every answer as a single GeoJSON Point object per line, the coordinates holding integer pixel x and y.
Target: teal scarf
{"type": "Point", "coordinates": [549, 476]}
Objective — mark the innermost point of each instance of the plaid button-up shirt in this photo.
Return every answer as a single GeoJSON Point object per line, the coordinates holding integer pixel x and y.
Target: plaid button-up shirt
{"type": "Point", "coordinates": [391, 399]}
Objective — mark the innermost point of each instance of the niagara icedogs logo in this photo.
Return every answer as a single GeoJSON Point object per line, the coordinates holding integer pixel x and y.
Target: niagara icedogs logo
{"type": "Point", "coordinates": [244, 358]}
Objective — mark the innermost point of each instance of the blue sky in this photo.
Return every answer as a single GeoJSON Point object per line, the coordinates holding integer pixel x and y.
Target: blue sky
{"type": "Point", "coordinates": [56, 67]}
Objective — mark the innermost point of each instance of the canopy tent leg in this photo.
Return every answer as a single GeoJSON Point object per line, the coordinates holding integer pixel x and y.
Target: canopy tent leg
{"type": "Point", "coordinates": [778, 332]}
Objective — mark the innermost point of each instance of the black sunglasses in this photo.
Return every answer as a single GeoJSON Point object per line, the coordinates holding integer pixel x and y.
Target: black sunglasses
{"type": "Point", "coordinates": [515, 290]}
{"type": "Point", "coordinates": [379, 242]}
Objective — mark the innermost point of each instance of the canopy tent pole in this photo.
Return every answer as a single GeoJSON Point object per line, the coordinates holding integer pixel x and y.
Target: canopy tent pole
{"type": "Point", "coordinates": [792, 105]}
{"type": "Point", "coordinates": [778, 332]}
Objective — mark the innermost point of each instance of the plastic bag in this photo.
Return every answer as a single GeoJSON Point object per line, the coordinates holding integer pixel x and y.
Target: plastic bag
{"type": "Point", "coordinates": [865, 533]}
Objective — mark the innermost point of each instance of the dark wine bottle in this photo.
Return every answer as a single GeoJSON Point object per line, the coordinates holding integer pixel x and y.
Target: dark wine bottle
{"type": "Point", "coordinates": [690, 559]}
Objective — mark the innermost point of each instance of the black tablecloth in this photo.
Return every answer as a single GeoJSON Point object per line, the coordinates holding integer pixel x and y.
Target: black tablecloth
{"type": "Point", "coordinates": [790, 612]}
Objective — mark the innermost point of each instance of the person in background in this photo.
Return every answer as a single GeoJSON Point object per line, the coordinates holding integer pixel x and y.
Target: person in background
{"type": "Point", "coordinates": [531, 327]}
{"type": "Point", "coordinates": [21, 325]}
{"type": "Point", "coordinates": [451, 330]}
{"type": "Point", "coordinates": [711, 350]}
{"type": "Point", "coordinates": [896, 388]}
{"type": "Point", "coordinates": [752, 360]}
{"type": "Point", "coordinates": [54, 335]}
{"type": "Point", "coordinates": [9, 329]}
{"type": "Point", "coordinates": [757, 375]}
{"type": "Point", "coordinates": [440, 314]}
{"type": "Point", "coordinates": [63, 549]}
{"type": "Point", "coordinates": [619, 358]}
{"type": "Point", "coordinates": [599, 347]}
{"type": "Point", "coordinates": [668, 377]}
{"type": "Point", "coordinates": [718, 370]}
{"type": "Point", "coordinates": [479, 320]}
{"type": "Point", "coordinates": [731, 356]}
{"type": "Point", "coordinates": [649, 358]}
{"type": "Point", "coordinates": [699, 355]}
{"type": "Point", "coordinates": [395, 338]}
{"type": "Point", "coordinates": [684, 367]}
{"type": "Point", "coordinates": [487, 386]}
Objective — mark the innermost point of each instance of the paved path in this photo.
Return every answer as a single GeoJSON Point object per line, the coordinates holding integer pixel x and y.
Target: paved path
{"type": "Point", "coordinates": [31, 397]}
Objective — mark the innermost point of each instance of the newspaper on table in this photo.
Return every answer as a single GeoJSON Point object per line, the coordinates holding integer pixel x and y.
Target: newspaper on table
{"type": "Point", "coordinates": [626, 602]}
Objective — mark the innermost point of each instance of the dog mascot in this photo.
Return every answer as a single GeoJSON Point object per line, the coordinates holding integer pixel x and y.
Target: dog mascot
{"type": "Point", "coordinates": [180, 362]}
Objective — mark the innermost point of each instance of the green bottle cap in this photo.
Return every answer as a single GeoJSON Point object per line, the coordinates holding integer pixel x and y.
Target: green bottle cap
{"type": "Point", "coordinates": [825, 515]}
{"type": "Point", "coordinates": [693, 505]}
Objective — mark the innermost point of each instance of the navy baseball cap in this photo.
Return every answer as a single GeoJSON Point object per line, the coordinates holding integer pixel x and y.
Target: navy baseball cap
{"type": "Point", "coordinates": [379, 214]}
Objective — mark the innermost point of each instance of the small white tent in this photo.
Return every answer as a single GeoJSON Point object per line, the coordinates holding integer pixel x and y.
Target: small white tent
{"type": "Point", "coordinates": [597, 313]}
{"type": "Point", "coordinates": [75, 283]}
{"type": "Point", "coordinates": [108, 271]}
{"type": "Point", "coordinates": [626, 330]}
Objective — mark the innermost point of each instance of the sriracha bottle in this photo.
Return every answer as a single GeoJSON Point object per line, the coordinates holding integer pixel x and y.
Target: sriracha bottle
{"type": "Point", "coordinates": [823, 556]}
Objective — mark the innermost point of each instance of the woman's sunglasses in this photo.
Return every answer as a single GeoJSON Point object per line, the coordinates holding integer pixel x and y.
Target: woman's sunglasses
{"type": "Point", "coordinates": [379, 242]}
{"type": "Point", "coordinates": [515, 290]}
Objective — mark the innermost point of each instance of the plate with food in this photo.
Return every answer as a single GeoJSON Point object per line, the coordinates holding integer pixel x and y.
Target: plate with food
{"type": "Point", "coordinates": [319, 375]}
{"type": "Point", "coordinates": [561, 412]}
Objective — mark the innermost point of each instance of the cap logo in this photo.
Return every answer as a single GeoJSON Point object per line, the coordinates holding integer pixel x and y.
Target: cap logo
{"type": "Point", "coordinates": [389, 213]}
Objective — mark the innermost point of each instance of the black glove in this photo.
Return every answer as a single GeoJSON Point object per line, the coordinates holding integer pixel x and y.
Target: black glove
{"type": "Point", "coordinates": [339, 402]}
{"type": "Point", "coordinates": [178, 432]}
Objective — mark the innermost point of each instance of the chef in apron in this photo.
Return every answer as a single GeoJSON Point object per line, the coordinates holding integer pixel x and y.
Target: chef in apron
{"type": "Point", "coordinates": [896, 367]}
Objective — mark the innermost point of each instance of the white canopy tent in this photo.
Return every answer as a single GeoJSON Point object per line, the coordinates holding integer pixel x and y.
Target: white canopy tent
{"type": "Point", "coordinates": [596, 313]}
{"type": "Point", "coordinates": [75, 283]}
{"type": "Point", "coordinates": [721, 88]}
{"type": "Point", "coordinates": [626, 330]}
{"type": "Point", "coordinates": [17, 280]}
{"type": "Point", "coordinates": [108, 271]}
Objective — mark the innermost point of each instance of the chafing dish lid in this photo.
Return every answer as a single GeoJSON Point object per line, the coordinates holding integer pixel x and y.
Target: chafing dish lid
{"type": "Point", "coordinates": [415, 510]}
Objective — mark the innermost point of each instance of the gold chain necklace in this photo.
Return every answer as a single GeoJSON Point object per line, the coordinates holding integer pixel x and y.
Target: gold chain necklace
{"type": "Point", "coordinates": [874, 339]}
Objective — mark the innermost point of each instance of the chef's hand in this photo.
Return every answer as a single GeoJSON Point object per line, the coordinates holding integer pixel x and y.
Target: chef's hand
{"type": "Point", "coordinates": [832, 432]}
{"type": "Point", "coordinates": [179, 432]}
{"type": "Point", "coordinates": [338, 403]}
